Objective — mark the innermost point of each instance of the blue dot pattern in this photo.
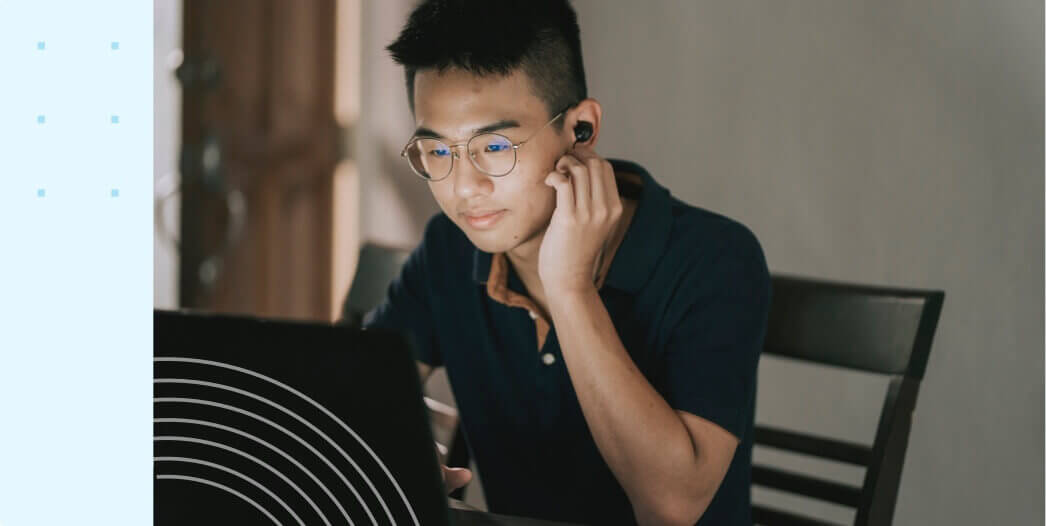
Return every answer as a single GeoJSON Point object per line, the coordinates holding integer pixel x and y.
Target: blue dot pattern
{"type": "Point", "coordinates": [41, 45]}
{"type": "Point", "coordinates": [74, 182]}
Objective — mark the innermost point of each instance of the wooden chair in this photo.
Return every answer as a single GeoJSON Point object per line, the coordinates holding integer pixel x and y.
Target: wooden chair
{"type": "Point", "coordinates": [881, 330]}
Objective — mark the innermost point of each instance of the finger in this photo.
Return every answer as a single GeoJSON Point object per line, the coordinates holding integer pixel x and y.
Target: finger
{"type": "Point", "coordinates": [597, 179]}
{"type": "Point", "coordinates": [454, 478]}
{"type": "Point", "coordinates": [580, 178]}
{"type": "Point", "coordinates": [568, 163]}
{"type": "Point", "coordinates": [584, 152]}
{"type": "Point", "coordinates": [610, 189]}
{"type": "Point", "coordinates": [564, 192]}
{"type": "Point", "coordinates": [607, 189]}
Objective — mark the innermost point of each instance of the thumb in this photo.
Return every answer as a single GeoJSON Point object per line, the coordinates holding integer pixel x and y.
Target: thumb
{"type": "Point", "coordinates": [564, 191]}
{"type": "Point", "coordinates": [455, 478]}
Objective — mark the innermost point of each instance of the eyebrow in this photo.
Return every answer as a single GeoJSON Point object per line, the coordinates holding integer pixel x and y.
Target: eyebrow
{"type": "Point", "coordinates": [500, 125]}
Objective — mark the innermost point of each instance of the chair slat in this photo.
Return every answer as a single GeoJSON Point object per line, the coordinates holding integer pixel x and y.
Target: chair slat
{"type": "Point", "coordinates": [807, 486]}
{"type": "Point", "coordinates": [770, 517]}
{"type": "Point", "coordinates": [812, 445]}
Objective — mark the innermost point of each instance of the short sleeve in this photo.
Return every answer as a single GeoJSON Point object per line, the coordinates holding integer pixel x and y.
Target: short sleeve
{"type": "Point", "coordinates": [408, 304]}
{"type": "Point", "coordinates": [713, 351]}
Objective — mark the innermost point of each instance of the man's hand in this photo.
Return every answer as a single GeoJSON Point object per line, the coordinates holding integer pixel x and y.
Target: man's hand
{"type": "Point", "coordinates": [588, 209]}
{"type": "Point", "coordinates": [454, 478]}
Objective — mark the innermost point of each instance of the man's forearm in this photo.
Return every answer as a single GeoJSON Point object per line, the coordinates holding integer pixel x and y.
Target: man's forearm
{"type": "Point", "coordinates": [643, 440]}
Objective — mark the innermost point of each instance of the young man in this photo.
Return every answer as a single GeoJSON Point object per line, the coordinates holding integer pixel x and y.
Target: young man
{"type": "Point", "coordinates": [600, 336]}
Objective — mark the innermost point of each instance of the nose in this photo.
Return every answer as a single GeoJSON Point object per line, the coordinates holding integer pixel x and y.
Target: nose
{"type": "Point", "coordinates": [468, 180]}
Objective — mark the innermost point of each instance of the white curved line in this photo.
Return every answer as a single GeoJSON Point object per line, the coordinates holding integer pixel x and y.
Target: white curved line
{"type": "Point", "coordinates": [277, 450]}
{"type": "Point", "coordinates": [234, 472]}
{"type": "Point", "coordinates": [172, 438]}
{"type": "Point", "coordinates": [316, 404]}
{"type": "Point", "coordinates": [292, 414]}
{"type": "Point", "coordinates": [226, 488]}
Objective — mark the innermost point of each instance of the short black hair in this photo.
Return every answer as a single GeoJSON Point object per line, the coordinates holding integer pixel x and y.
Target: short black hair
{"type": "Point", "coordinates": [541, 37]}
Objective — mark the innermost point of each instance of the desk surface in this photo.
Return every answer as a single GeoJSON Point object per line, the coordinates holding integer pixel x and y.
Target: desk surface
{"type": "Point", "coordinates": [462, 514]}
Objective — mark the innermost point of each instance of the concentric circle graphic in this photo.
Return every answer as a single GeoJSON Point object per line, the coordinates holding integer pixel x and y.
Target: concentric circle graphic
{"type": "Point", "coordinates": [225, 488]}
{"type": "Point", "coordinates": [229, 430]}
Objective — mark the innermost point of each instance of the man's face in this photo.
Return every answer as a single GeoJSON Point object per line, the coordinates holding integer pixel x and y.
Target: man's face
{"type": "Point", "coordinates": [454, 104]}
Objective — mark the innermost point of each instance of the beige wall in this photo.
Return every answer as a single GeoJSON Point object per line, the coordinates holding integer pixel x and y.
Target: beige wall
{"type": "Point", "coordinates": [394, 203]}
{"type": "Point", "coordinates": [878, 141]}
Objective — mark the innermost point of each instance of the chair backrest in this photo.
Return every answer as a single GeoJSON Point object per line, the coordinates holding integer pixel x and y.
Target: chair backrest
{"type": "Point", "coordinates": [876, 329]}
{"type": "Point", "coordinates": [378, 265]}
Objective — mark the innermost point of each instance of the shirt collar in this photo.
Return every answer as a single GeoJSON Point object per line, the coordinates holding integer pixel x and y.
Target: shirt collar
{"type": "Point", "coordinates": [645, 240]}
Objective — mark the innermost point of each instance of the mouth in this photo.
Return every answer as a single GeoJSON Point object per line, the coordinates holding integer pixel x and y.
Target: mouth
{"type": "Point", "coordinates": [484, 221]}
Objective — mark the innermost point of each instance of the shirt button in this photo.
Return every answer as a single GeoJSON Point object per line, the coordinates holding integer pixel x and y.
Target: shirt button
{"type": "Point", "coordinates": [548, 358]}
{"type": "Point", "coordinates": [532, 315]}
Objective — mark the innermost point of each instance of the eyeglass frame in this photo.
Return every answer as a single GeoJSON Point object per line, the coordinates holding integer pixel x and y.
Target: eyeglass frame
{"type": "Point", "coordinates": [454, 152]}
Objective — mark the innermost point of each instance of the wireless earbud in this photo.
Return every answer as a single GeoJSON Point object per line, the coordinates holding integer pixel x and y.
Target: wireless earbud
{"type": "Point", "coordinates": [582, 131]}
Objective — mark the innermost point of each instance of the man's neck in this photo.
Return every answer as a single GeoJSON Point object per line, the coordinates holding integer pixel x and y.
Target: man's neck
{"type": "Point", "coordinates": [524, 260]}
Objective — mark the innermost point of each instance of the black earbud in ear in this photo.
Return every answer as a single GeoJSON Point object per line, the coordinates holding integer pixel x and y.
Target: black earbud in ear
{"type": "Point", "coordinates": [582, 131]}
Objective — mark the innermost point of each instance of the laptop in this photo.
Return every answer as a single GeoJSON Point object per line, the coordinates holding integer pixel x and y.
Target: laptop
{"type": "Point", "coordinates": [262, 421]}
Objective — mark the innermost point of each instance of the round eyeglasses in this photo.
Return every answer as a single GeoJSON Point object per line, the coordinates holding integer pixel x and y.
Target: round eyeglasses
{"type": "Point", "coordinates": [491, 153]}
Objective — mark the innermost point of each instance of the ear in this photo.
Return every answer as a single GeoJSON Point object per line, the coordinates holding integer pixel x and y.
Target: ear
{"type": "Point", "coordinates": [588, 110]}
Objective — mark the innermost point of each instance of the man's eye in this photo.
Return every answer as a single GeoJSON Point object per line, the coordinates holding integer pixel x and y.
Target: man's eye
{"type": "Point", "coordinates": [439, 152]}
{"type": "Point", "coordinates": [495, 147]}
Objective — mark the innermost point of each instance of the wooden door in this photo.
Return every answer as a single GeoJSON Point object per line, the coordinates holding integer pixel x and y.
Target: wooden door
{"type": "Point", "coordinates": [260, 143]}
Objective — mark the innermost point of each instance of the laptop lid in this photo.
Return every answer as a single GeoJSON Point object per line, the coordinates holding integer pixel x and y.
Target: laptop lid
{"type": "Point", "coordinates": [260, 421]}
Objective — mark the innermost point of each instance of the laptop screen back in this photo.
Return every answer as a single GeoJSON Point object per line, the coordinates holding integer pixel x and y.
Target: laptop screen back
{"type": "Point", "coordinates": [262, 421]}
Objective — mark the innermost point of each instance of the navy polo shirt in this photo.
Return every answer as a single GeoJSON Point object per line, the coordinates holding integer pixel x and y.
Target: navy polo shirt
{"type": "Point", "coordinates": [688, 292]}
